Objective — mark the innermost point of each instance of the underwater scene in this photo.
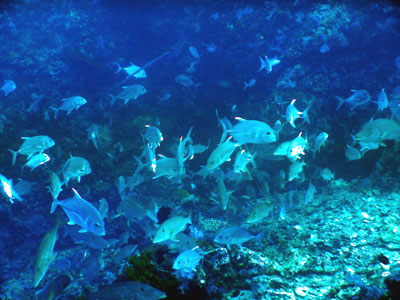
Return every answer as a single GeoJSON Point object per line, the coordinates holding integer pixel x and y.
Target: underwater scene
{"type": "Point", "coordinates": [199, 150]}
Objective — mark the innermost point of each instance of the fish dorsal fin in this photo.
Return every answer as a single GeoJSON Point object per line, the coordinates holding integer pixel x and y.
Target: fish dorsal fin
{"type": "Point", "coordinates": [124, 87]}
{"type": "Point", "coordinates": [240, 119]}
{"type": "Point", "coordinates": [76, 193]}
{"type": "Point", "coordinates": [25, 137]}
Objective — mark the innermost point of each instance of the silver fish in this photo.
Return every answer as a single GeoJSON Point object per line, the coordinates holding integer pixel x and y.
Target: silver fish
{"type": "Point", "coordinates": [131, 69]}
{"type": "Point", "coordinates": [55, 187]}
{"type": "Point", "coordinates": [235, 236]}
{"type": "Point", "coordinates": [8, 87]}
{"type": "Point", "coordinates": [383, 101]}
{"type": "Point", "coordinates": [252, 132]}
{"type": "Point", "coordinates": [186, 81]}
{"type": "Point", "coordinates": [267, 64]}
{"type": "Point", "coordinates": [45, 254]}
{"type": "Point", "coordinates": [153, 135]}
{"type": "Point", "coordinates": [352, 153]}
{"type": "Point", "coordinates": [129, 92]}
{"type": "Point", "coordinates": [7, 189]}
{"type": "Point", "coordinates": [221, 154]}
{"type": "Point", "coordinates": [193, 51]}
{"type": "Point", "coordinates": [292, 114]}
{"type": "Point", "coordinates": [76, 167]}
{"type": "Point", "coordinates": [359, 97]}
{"type": "Point", "coordinates": [82, 213]}
{"type": "Point", "coordinates": [37, 160]}
{"type": "Point", "coordinates": [69, 104]}
{"type": "Point", "coordinates": [32, 145]}
{"type": "Point", "coordinates": [251, 83]}
{"type": "Point", "coordinates": [188, 260]}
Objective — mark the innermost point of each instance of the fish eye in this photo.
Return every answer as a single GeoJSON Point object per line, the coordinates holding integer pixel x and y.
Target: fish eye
{"type": "Point", "coordinates": [97, 225]}
{"type": "Point", "coordinates": [268, 133]}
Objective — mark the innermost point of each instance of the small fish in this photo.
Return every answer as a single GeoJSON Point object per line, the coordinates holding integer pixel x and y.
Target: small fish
{"type": "Point", "coordinates": [320, 141]}
{"type": "Point", "coordinates": [251, 83]}
{"type": "Point", "coordinates": [359, 97]}
{"type": "Point", "coordinates": [295, 169]}
{"type": "Point", "coordinates": [32, 145]}
{"type": "Point", "coordinates": [8, 87]}
{"type": "Point", "coordinates": [182, 243]}
{"type": "Point", "coordinates": [37, 160]}
{"type": "Point", "coordinates": [327, 175]}
{"type": "Point", "coordinates": [193, 51]}
{"type": "Point", "coordinates": [170, 228]}
{"type": "Point", "coordinates": [222, 193]}
{"type": "Point", "coordinates": [55, 186]}
{"type": "Point", "coordinates": [282, 149]}
{"type": "Point", "coordinates": [75, 167]}
{"type": "Point", "coordinates": [188, 260]}
{"type": "Point", "coordinates": [82, 213]}
{"type": "Point", "coordinates": [296, 147]}
{"type": "Point", "coordinates": [131, 69]}
{"type": "Point", "coordinates": [324, 48]}
{"type": "Point", "coordinates": [260, 212]}
{"type": "Point", "coordinates": [278, 126]}
{"type": "Point", "coordinates": [186, 81]}
{"type": "Point", "coordinates": [366, 146]}
{"type": "Point", "coordinates": [153, 135]}
{"type": "Point", "coordinates": [164, 97]}
{"type": "Point", "coordinates": [103, 207]}
{"type": "Point", "coordinates": [199, 148]}
{"type": "Point", "coordinates": [221, 154]}
{"type": "Point", "coordinates": [292, 114]}
{"type": "Point", "coordinates": [383, 101]}
{"type": "Point", "coordinates": [7, 189]}
{"type": "Point", "coordinates": [134, 211]}
{"type": "Point", "coordinates": [45, 254]}
{"type": "Point", "coordinates": [267, 64]}
{"type": "Point", "coordinates": [127, 290]}
{"type": "Point", "coordinates": [241, 161]}
{"type": "Point", "coordinates": [252, 132]}
{"type": "Point", "coordinates": [93, 132]}
{"type": "Point", "coordinates": [235, 236]}
{"type": "Point", "coordinates": [243, 12]}
{"type": "Point", "coordinates": [309, 196]}
{"type": "Point", "coordinates": [352, 153]}
{"type": "Point", "coordinates": [165, 166]}
{"type": "Point", "coordinates": [211, 47]}
{"type": "Point", "coordinates": [69, 104]}
{"type": "Point", "coordinates": [129, 92]}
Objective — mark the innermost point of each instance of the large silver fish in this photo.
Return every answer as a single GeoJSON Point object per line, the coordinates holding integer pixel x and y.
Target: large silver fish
{"type": "Point", "coordinates": [82, 213]}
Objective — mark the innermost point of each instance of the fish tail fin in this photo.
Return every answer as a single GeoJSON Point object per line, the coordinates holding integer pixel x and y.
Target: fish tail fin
{"type": "Point", "coordinates": [262, 62]}
{"type": "Point", "coordinates": [14, 156]}
{"type": "Point", "coordinates": [140, 166]}
{"type": "Point", "coordinates": [54, 205]}
{"type": "Point", "coordinates": [305, 114]}
{"type": "Point", "coordinates": [112, 98]}
{"type": "Point", "coordinates": [118, 68]}
{"type": "Point", "coordinates": [341, 101]}
{"type": "Point", "coordinates": [55, 112]}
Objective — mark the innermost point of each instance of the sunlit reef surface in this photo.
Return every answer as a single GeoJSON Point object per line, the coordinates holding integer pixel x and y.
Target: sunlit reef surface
{"type": "Point", "coordinates": [318, 221]}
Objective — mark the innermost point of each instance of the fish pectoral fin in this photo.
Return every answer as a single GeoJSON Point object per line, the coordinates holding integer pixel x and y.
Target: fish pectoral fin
{"type": "Point", "coordinates": [70, 222]}
{"type": "Point", "coordinates": [82, 230]}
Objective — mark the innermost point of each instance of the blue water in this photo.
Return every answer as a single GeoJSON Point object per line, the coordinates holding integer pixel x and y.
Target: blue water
{"type": "Point", "coordinates": [54, 50]}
